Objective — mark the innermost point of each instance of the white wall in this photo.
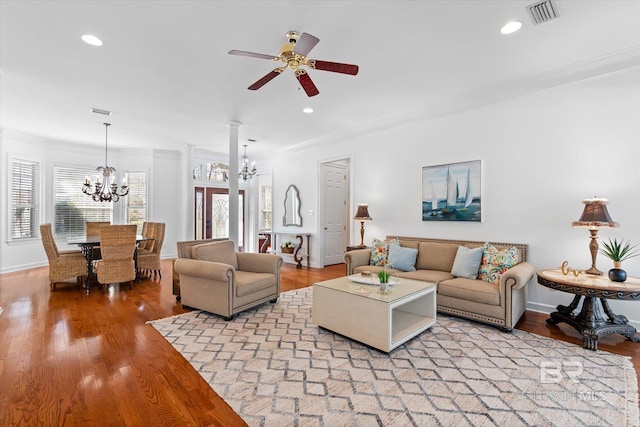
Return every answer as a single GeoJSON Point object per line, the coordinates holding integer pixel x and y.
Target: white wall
{"type": "Point", "coordinates": [541, 153]}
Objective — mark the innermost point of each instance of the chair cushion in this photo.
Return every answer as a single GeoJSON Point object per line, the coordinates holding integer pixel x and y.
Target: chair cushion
{"type": "Point", "coordinates": [223, 252]}
{"type": "Point", "coordinates": [248, 282]}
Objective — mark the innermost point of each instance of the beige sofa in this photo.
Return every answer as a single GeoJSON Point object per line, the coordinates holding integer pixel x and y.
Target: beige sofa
{"type": "Point", "coordinates": [500, 304]}
{"type": "Point", "coordinates": [221, 281]}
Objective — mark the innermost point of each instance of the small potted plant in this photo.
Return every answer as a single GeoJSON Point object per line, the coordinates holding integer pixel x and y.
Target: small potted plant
{"type": "Point", "coordinates": [383, 277]}
{"type": "Point", "coordinates": [618, 252]}
{"type": "Point", "coordinates": [287, 247]}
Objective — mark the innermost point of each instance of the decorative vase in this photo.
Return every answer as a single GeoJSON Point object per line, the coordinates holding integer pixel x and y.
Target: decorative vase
{"type": "Point", "coordinates": [617, 275]}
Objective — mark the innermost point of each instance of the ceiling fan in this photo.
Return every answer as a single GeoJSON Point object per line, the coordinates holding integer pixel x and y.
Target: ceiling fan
{"type": "Point", "coordinates": [294, 55]}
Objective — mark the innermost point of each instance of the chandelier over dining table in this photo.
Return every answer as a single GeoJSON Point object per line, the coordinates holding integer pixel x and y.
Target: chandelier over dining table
{"type": "Point", "coordinates": [105, 188]}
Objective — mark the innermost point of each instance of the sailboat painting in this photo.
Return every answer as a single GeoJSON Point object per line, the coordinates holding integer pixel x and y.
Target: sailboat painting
{"type": "Point", "coordinates": [452, 192]}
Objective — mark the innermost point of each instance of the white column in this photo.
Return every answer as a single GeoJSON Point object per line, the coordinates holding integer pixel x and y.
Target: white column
{"type": "Point", "coordinates": [187, 200]}
{"type": "Point", "coordinates": [234, 195]}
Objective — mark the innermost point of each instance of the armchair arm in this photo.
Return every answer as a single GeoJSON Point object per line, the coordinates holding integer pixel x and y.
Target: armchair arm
{"type": "Point", "coordinates": [204, 269]}
{"type": "Point", "coordinates": [356, 258]}
{"type": "Point", "coordinates": [259, 262]}
{"type": "Point", "coordinates": [518, 276]}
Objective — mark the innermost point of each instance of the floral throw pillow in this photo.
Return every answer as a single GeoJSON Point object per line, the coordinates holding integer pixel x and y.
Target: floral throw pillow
{"type": "Point", "coordinates": [495, 262]}
{"type": "Point", "coordinates": [380, 251]}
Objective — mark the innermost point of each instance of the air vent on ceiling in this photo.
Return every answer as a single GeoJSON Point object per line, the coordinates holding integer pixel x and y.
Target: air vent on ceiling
{"type": "Point", "coordinates": [99, 111]}
{"type": "Point", "coordinates": [542, 11]}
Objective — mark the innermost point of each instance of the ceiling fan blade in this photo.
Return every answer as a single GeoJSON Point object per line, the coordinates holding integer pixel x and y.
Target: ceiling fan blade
{"type": "Point", "coordinates": [335, 67]}
{"type": "Point", "coordinates": [266, 79]}
{"type": "Point", "coordinates": [254, 55]}
{"type": "Point", "coordinates": [305, 43]}
{"type": "Point", "coordinates": [306, 83]}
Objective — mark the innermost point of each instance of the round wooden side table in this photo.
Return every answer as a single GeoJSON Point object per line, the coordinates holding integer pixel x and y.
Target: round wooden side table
{"type": "Point", "coordinates": [595, 318]}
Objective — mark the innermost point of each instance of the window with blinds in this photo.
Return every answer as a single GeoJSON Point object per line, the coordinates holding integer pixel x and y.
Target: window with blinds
{"type": "Point", "coordinates": [137, 198]}
{"type": "Point", "coordinates": [73, 208]}
{"type": "Point", "coordinates": [23, 199]}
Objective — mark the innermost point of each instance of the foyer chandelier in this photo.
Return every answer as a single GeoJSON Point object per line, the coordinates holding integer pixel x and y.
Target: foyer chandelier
{"type": "Point", "coordinates": [105, 190]}
{"type": "Point", "coordinates": [245, 173]}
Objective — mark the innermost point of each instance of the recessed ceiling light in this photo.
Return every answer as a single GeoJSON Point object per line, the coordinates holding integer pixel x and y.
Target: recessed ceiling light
{"type": "Point", "coordinates": [511, 27]}
{"type": "Point", "coordinates": [92, 40]}
{"type": "Point", "coordinates": [307, 110]}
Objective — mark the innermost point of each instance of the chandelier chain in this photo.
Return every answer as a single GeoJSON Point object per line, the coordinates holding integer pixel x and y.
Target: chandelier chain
{"type": "Point", "coordinates": [107, 190]}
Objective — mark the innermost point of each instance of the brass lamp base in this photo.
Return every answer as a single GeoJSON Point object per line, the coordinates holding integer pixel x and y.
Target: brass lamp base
{"type": "Point", "coordinates": [593, 247]}
{"type": "Point", "coordinates": [593, 271]}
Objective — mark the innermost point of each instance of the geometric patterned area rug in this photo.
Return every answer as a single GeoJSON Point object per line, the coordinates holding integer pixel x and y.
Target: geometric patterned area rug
{"type": "Point", "coordinates": [275, 367]}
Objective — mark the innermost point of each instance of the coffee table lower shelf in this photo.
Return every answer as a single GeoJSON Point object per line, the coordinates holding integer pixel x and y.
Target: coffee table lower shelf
{"type": "Point", "coordinates": [383, 322]}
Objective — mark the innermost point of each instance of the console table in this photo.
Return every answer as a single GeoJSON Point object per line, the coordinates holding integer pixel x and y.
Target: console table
{"type": "Point", "coordinates": [301, 249]}
{"type": "Point", "coordinates": [595, 318]}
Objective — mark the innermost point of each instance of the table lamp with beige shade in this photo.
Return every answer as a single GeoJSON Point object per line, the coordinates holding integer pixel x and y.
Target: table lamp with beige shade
{"type": "Point", "coordinates": [594, 217]}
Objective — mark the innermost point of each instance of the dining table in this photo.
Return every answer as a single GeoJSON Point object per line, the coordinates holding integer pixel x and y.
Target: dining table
{"type": "Point", "coordinates": [87, 243]}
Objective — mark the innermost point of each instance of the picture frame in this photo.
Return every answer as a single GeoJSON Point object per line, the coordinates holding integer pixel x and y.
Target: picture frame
{"type": "Point", "coordinates": [452, 192]}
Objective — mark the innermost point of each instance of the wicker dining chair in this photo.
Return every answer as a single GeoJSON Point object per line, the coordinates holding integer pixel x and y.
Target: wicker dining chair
{"type": "Point", "coordinates": [118, 244]}
{"type": "Point", "coordinates": [63, 265]}
{"type": "Point", "coordinates": [150, 260]}
{"type": "Point", "coordinates": [92, 228]}
{"type": "Point", "coordinates": [148, 229]}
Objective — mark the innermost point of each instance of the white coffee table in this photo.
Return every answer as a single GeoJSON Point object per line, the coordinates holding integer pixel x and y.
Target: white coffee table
{"type": "Point", "coordinates": [380, 321]}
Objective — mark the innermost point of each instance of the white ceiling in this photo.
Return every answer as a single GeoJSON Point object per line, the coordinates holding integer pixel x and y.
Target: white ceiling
{"type": "Point", "coordinates": [165, 73]}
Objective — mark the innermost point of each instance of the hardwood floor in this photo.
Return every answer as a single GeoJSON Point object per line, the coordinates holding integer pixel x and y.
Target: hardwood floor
{"type": "Point", "coordinates": [74, 358]}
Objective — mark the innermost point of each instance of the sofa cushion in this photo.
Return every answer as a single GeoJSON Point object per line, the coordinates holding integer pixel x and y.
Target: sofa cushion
{"type": "Point", "coordinates": [248, 282]}
{"type": "Point", "coordinates": [380, 251]}
{"type": "Point", "coordinates": [436, 256]}
{"type": "Point", "coordinates": [433, 276]}
{"type": "Point", "coordinates": [495, 262]}
{"type": "Point", "coordinates": [223, 252]}
{"type": "Point", "coordinates": [409, 244]}
{"type": "Point", "coordinates": [403, 259]}
{"type": "Point", "coordinates": [467, 262]}
{"type": "Point", "coordinates": [472, 290]}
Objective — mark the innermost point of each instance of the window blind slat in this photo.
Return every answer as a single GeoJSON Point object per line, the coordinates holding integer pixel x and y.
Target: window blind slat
{"type": "Point", "coordinates": [73, 208]}
{"type": "Point", "coordinates": [137, 198]}
{"type": "Point", "coordinates": [23, 199]}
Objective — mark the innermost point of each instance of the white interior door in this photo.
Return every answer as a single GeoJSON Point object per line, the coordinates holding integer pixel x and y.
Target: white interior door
{"type": "Point", "coordinates": [335, 213]}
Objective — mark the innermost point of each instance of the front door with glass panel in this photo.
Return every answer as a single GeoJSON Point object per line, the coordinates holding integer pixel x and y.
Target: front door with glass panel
{"type": "Point", "coordinates": [212, 214]}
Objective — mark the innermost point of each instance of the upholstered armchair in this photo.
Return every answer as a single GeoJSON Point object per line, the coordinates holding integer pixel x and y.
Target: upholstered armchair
{"type": "Point", "coordinates": [184, 251]}
{"type": "Point", "coordinates": [224, 282]}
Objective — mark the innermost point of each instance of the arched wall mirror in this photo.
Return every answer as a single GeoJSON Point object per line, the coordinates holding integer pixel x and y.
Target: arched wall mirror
{"type": "Point", "coordinates": [292, 207]}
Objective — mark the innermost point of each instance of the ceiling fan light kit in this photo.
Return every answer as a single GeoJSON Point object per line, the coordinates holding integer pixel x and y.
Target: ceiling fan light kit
{"type": "Point", "coordinates": [294, 55]}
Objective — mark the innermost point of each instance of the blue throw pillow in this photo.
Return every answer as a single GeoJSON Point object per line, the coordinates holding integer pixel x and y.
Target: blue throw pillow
{"type": "Point", "coordinates": [401, 258]}
{"type": "Point", "coordinates": [467, 262]}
